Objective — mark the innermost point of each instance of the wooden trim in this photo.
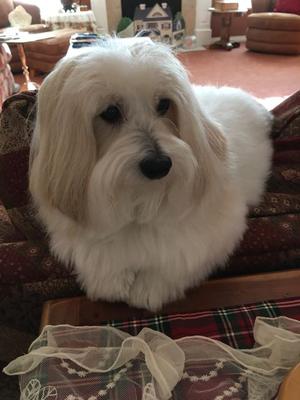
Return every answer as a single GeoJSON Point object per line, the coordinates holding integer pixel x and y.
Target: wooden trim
{"type": "Point", "coordinates": [290, 388]}
{"type": "Point", "coordinates": [215, 293]}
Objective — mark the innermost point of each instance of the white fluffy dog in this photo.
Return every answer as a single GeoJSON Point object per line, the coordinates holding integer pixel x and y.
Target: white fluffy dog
{"type": "Point", "coordinates": [142, 180]}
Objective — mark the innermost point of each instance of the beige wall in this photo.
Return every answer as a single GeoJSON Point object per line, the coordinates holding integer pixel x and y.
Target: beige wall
{"type": "Point", "coordinates": [114, 14]}
{"type": "Point", "coordinates": [189, 14]}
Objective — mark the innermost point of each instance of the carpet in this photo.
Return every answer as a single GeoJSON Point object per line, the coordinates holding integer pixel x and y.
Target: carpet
{"type": "Point", "coordinates": [270, 77]}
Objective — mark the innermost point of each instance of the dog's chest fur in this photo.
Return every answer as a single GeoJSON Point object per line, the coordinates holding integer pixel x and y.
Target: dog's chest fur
{"type": "Point", "coordinates": [172, 244]}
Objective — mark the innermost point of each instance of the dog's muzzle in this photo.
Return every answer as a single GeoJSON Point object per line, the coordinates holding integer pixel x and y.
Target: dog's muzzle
{"type": "Point", "coordinates": [155, 166]}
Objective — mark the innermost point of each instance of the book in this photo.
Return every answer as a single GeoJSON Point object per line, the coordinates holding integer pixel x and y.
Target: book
{"type": "Point", "coordinates": [226, 5]}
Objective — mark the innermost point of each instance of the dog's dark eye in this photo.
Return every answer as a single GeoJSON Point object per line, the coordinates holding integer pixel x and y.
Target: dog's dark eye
{"type": "Point", "coordinates": [112, 115]}
{"type": "Point", "coordinates": [163, 106]}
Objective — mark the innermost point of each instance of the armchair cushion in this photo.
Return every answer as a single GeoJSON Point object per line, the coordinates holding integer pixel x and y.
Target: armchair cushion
{"type": "Point", "coordinates": [44, 54]}
{"type": "Point", "coordinates": [16, 125]}
{"type": "Point", "coordinates": [274, 22]}
{"type": "Point", "coordinates": [272, 32]}
{"type": "Point", "coordinates": [6, 78]}
{"type": "Point", "coordinates": [8, 233]}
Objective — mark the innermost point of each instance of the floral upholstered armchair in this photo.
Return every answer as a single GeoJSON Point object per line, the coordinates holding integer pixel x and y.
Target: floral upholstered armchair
{"type": "Point", "coordinates": [6, 78]}
{"type": "Point", "coordinates": [30, 275]}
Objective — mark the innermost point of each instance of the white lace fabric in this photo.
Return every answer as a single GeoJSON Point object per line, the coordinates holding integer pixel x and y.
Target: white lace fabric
{"type": "Point", "coordinates": [94, 363]}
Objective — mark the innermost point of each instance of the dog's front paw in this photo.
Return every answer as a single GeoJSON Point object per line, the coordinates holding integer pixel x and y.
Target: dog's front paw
{"type": "Point", "coordinates": [149, 291]}
{"type": "Point", "coordinates": [110, 287]}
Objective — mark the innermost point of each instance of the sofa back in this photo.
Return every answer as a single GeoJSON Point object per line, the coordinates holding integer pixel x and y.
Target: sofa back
{"type": "Point", "coordinates": [263, 5]}
{"type": "Point", "coordinates": [32, 9]}
{"type": "Point", "coordinates": [6, 6]}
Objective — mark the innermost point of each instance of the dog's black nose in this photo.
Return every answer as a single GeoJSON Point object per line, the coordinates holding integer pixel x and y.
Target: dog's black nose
{"type": "Point", "coordinates": [155, 166]}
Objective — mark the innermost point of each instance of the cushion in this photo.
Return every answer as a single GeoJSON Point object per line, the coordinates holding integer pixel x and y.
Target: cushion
{"type": "Point", "coordinates": [270, 36]}
{"type": "Point", "coordinates": [16, 125]}
{"type": "Point", "coordinates": [41, 62]}
{"type": "Point", "coordinates": [6, 6]}
{"type": "Point", "coordinates": [57, 45]}
{"type": "Point", "coordinates": [6, 78]}
{"type": "Point", "coordinates": [8, 233]}
{"type": "Point", "coordinates": [288, 6]}
{"type": "Point", "coordinates": [273, 48]}
{"type": "Point", "coordinates": [36, 28]}
{"type": "Point", "coordinates": [272, 241]}
{"type": "Point", "coordinates": [274, 21]}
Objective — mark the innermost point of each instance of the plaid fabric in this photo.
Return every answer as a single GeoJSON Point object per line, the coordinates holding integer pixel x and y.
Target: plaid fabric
{"type": "Point", "coordinates": [231, 325]}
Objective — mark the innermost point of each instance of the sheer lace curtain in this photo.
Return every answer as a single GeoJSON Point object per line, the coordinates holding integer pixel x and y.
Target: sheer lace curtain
{"type": "Point", "coordinates": [100, 363]}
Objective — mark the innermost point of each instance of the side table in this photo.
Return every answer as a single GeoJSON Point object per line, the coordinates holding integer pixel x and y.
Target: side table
{"type": "Point", "coordinates": [23, 38]}
{"type": "Point", "coordinates": [226, 18]}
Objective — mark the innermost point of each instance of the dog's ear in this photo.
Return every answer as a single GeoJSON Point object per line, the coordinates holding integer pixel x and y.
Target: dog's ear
{"type": "Point", "coordinates": [204, 136]}
{"type": "Point", "coordinates": [216, 138]}
{"type": "Point", "coordinates": [187, 122]}
{"type": "Point", "coordinates": [63, 149]}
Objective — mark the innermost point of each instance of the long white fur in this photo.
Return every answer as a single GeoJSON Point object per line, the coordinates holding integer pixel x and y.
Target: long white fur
{"type": "Point", "coordinates": [130, 238]}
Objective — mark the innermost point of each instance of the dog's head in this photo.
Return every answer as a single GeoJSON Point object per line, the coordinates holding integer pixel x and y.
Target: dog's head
{"type": "Point", "coordinates": [120, 137]}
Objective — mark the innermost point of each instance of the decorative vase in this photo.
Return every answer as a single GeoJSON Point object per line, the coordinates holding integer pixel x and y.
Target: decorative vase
{"type": "Point", "coordinates": [19, 17]}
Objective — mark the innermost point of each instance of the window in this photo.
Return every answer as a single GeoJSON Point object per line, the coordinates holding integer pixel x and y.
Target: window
{"type": "Point", "coordinates": [245, 3]}
{"type": "Point", "coordinates": [166, 26]}
{"type": "Point", "coordinates": [152, 25]}
{"type": "Point", "coordinates": [47, 7]}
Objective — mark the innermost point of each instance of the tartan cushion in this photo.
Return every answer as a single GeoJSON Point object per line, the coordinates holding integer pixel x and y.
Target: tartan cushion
{"type": "Point", "coordinates": [230, 325]}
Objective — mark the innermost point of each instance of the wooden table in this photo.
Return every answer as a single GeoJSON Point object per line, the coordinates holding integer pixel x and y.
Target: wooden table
{"type": "Point", "coordinates": [214, 293]}
{"type": "Point", "coordinates": [23, 38]}
{"type": "Point", "coordinates": [226, 18]}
